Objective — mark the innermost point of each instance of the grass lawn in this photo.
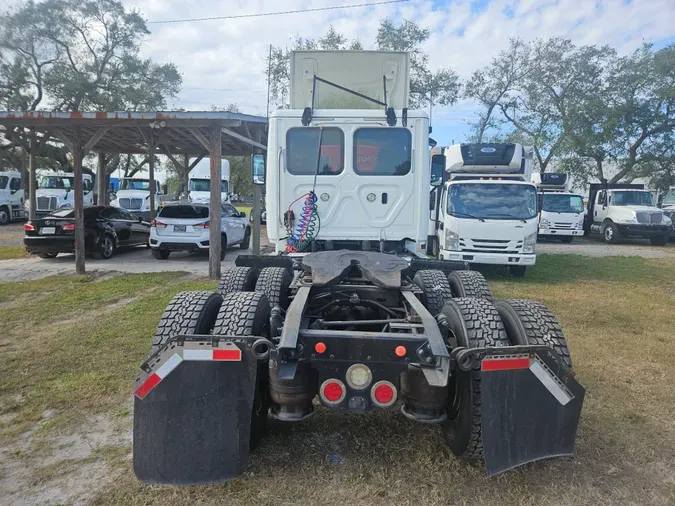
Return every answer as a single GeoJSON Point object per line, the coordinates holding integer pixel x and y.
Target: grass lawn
{"type": "Point", "coordinates": [11, 252]}
{"type": "Point", "coordinates": [70, 349]}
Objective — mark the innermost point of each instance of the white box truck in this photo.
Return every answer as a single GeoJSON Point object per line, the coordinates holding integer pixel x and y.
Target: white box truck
{"type": "Point", "coordinates": [199, 182]}
{"type": "Point", "coordinates": [484, 205]}
{"type": "Point", "coordinates": [11, 197]}
{"type": "Point", "coordinates": [561, 213]}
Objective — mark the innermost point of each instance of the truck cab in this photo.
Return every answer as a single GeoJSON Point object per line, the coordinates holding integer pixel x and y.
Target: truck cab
{"type": "Point", "coordinates": [628, 210]}
{"type": "Point", "coordinates": [561, 213]}
{"type": "Point", "coordinates": [11, 197]}
{"type": "Point", "coordinates": [668, 204]}
{"type": "Point", "coordinates": [484, 205]}
{"type": "Point", "coordinates": [134, 196]}
{"type": "Point", "coordinates": [199, 183]}
{"type": "Point", "coordinates": [344, 171]}
{"type": "Point", "coordinates": [57, 189]}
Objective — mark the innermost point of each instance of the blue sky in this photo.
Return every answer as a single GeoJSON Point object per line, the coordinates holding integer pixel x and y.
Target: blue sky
{"type": "Point", "coordinates": [223, 61]}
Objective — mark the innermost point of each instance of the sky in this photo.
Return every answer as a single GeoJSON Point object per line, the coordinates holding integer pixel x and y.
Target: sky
{"type": "Point", "coordinates": [223, 61]}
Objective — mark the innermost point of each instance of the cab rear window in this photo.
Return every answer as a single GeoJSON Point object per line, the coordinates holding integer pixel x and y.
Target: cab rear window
{"type": "Point", "coordinates": [382, 151]}
{"type": "Point", "coordinates": [185, 212]}
{"type": "Point", "coordinates": [302, 146]}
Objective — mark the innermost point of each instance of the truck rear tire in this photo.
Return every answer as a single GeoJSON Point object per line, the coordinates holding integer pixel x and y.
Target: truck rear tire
{"type": "Point", "coordinates": [659, 240]}
{"type": "Point", "coordinates": [474, 323]}
{"type": "Point", "coordinates": [435, 287]}
{"type": "Point", "coordinates": [274, 283]}
{"type": "Point", "coordinates": [187, 313]}
{"type": "Point", "coordinates": [610, 233]}
{"type": "Point", "coordinates": [469, 284]}
{"type": "Point", "coordinates": [248, 314]}
{"type": "Point", "coordinates": [531, 322]}
{"type": "Point", "coordinates": [4, 215]}
{"type": "Point", "coordinates": [237, 279]}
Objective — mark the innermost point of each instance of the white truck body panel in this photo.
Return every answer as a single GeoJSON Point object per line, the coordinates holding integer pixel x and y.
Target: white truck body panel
{"type": "Point", "coordinates": [398, 206]}
{"type": "Point", "coordinates": [484, 239]}
{"type": "Point", "coordinates": [57, 189]}
{"type": "Point", "coordinates": [11, 197]}
{"type": "Point", "coordinates": [360, 71]}
{"type": "Point", "coordinates": [201, 173]}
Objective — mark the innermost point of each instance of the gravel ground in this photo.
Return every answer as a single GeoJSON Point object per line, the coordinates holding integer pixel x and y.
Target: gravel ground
{"type": "Point", "coordinates": [593, 247]}
{"type": "Point", "coordinates": [11, 235]}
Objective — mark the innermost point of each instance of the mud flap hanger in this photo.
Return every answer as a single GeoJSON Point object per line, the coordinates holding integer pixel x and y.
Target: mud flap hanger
{"type": "Point", "coordinates": [389, 111]}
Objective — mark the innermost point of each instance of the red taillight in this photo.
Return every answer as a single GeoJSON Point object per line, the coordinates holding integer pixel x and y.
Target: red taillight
{"type": "Point", "coordinates": [70, 227]}
{"type": "Point", "coordinates": [29, 227]}
{"type": "Point", "coordinates": [383, 394]}
{"type": "Point", "coordinates": [202, 225]}
{"type": "Point", "coordinates": [157, 224]}
{"type": "Point", "coordinates": [333, 391]}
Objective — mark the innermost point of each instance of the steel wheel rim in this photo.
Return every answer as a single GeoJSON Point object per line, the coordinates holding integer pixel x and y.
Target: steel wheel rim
{"type": "Point", "coordinates": [608, 233]}
{"type": "Point", "coordinates": [4, 217]}
{"type": "Point", "coordinates": [107, 247]}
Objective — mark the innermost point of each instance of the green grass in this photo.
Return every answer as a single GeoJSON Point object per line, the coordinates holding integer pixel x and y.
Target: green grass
{"type": "Point", "coordinates": [617, 314]}
{"type": "Point", "coordinates": [246, 208]}
{"type": "Point", "coordinates": [12, 252]}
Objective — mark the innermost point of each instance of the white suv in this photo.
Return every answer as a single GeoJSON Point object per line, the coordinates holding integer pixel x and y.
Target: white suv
{"type": "Point", "coordinates": [184, 226]}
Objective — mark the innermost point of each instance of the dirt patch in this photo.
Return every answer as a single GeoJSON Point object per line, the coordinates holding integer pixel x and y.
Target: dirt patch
{"type": "Point", "coordinates": [60, 469]}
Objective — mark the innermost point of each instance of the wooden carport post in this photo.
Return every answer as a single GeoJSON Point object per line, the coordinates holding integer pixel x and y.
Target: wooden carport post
{"type": "Point", "coordinates": [32, 177]}
{"type": "Point", "coordinates": [215, 156]}
{"type": "Point", "coordinates": [213, 145]}
{"type": "Point", "coordinates": [101, 181]}
{"type": "Point", "coordinates": [78, 201]}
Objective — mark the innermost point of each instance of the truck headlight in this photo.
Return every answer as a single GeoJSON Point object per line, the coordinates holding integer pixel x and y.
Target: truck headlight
{"type": "Point", "coordinates": [114, 203]}
{"type": "Point", "coordinates": [529, 243]}
{"type": "Point", "coordinates": [544, 223]}
{"type": "Point", "coordinates": [579, 225]}
{"type": "Point", "coordinates": [628, 221]}
{"type": "Point", "coordinates": [451, 241]}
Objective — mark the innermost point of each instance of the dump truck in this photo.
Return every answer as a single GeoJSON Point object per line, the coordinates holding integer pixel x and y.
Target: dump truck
{"type": "Point", "coordinates": [350, 314]}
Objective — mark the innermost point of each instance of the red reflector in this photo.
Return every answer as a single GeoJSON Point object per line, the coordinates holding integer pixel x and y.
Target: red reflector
{"type": "Point", "coordinates": [384, 394]}
{"type": "Point", "coordinates": [227, 355]}
{"type": "Point", "coordinates": [70, 226]}
{"type": "Point", "coordinates": [320, 347]}
{"type": "Point", "coordinates": [332, 392]}
{"type": "Point", "coordinates": [149, 384]}
{"type": "Point", "coordinates": [28, 227]}
{"type": "Point", "coordinates": [505, 364]}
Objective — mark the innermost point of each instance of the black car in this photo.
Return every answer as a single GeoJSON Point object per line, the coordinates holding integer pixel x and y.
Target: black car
{"type": "Point", "coordinates": [106, 228]}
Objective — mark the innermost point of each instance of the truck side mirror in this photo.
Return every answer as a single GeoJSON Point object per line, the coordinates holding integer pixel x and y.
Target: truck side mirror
{"type": "Point", "coordinates": [165, 189]}
{"type": "Point", "coordinates": [258, 168]}
{"type": "Point", "coordinates": [437, 168]}
{"type": "Point", "coordinates": [432, 201]}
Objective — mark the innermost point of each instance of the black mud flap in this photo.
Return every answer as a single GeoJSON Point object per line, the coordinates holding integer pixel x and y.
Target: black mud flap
{"type": "Point", "coordinates": [194, 425]}
{"type": "Point", "coordinates": [528, 411]}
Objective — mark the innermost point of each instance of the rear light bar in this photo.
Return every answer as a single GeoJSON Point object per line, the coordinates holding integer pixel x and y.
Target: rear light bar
{"type": "Point", "coordinates": [157, 224]}
{"type": "Point", "coordinates": [70, 226]}
{"type": "Point", "coordinates": [29, 227]}
{"type": "Point", "coordinates": [202, 225]}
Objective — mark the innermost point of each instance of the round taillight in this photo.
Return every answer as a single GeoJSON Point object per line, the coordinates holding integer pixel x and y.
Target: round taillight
{"type": "Point", "coordinates": [320, 347]}
{"type": "Point", "coordinates": [359, 376]}
{"type": "Point", "coordinates": [332, 391]}
{"type": "Point", "coordinates": [383, 394]}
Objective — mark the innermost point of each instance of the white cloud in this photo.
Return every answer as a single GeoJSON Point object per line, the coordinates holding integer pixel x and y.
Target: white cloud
{"type": "Point", "coordinates": [229, 54]}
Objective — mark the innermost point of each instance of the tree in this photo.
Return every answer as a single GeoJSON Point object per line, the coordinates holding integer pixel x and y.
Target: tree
{"type": "Point", "coordinates": [426, 87]}
{"type": "Point", "coordinates": [83, 55]}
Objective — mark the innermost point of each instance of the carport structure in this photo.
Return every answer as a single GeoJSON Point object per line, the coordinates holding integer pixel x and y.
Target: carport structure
{"type": "Point", "coordinates": [174, 134]}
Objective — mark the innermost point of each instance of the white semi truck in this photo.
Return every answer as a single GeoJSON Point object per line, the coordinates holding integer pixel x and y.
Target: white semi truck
{"type": "Point", "coordinates": [561, 213]}
{"type": "Point", "coordinates": [11, 197]}
{"type": "Point", "coordinates": [365, 166]}
{"type": "Point", "coordinates": [484, 206]}
{"type": "Point", "coordinates": [199, 183]}
{"type": "Point", "coordinates": [57, 189]}
{"type": "Point", "coordinates": [353, 329]}
{"type": "Point", "coordinates": [134, 196]}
